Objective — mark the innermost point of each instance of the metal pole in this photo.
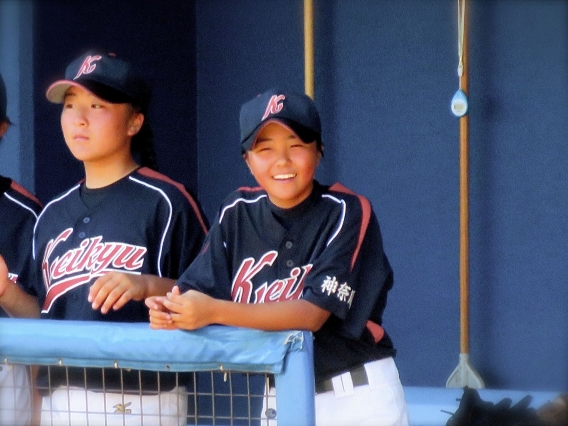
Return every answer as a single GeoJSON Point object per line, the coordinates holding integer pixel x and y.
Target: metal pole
{"type": "Point", "coordinates": [309, 48]}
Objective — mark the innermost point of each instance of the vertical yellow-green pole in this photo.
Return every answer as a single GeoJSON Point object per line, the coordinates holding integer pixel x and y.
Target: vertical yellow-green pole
{"type": "Point", "coordinates": [309, 48]}
{"type": "Point", "coordinates": [464, 204]}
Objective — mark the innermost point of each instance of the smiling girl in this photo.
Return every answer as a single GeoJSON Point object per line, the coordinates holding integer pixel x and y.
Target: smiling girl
{"type": "Point", "coordinates": [295, 254]}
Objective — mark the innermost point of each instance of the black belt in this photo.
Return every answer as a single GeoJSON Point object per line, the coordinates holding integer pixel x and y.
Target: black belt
{"type": "Point", "coordinates": [358, 377]}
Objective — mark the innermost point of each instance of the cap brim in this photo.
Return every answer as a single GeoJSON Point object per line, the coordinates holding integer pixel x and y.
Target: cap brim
{"type": "Point", "coordinates": [56, 92]}
{"type": "Point", "coordinates": [304, 134]}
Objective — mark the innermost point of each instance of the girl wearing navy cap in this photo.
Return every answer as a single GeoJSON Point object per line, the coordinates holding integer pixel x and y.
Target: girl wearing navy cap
{"type": "Point", "coordinates": [295, 254]}
{"type": "Point", "coordinates": [101, 246]}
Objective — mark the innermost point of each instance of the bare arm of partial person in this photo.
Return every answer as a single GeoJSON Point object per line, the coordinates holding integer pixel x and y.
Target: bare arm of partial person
{"type": "Point", "coordinates": [16, 302]}
{"type": "Point", "coordinates": [192, 310]}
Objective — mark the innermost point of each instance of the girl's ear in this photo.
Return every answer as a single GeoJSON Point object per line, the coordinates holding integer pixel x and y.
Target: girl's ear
{"type": "Point", "coordinates": [320, 154]}
{"type": "Point", "coordinates": [3, 128]}
{"type": "Point", "coordinates": [245, 157]}
{"type": "Point", "coordinates": [135, 123]}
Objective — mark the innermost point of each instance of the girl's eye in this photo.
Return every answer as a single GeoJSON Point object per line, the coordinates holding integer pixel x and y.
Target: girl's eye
{"type": "Point", "coordinates": [262, 147]}
{"type": "Point", "coordinates": [96, 106]}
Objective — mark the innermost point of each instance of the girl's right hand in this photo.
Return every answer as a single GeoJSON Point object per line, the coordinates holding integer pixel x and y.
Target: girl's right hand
{"type": "Point", "coordinates": [160, 317]}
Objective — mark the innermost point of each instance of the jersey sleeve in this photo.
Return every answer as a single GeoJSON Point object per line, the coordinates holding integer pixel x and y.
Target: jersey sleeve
{"type": "Point", "coordinates": [352, 276]}
{"type": "Point", "coordinates": [186, 235]}
{"type": "Point", "coordinates": [209, 271]}
{"type": "Point", "coordinates": [178, 213]}
{"type": "Point", "coordinates": [18, 214]}
{"type": "Point", "coordinates": [374, 277]}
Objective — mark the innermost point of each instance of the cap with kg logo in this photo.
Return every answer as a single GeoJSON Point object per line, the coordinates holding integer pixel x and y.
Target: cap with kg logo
{"type": "Point", "coordinates": [107, 76]}
{"type": "Point", "coordinates": [293, 109]}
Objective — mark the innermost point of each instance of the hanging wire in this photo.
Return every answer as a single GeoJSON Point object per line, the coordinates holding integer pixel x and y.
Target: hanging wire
{"type": "Point", "coordinates": [459, 104]}
{"type": "Point", "coordinates": [461, 26]}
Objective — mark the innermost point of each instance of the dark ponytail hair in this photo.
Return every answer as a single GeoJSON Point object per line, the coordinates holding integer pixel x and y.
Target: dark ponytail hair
{"type": "Point", "coordinates": [142, 144]}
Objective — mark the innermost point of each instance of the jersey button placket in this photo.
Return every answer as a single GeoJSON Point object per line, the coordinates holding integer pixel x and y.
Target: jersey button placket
{"type": "Point", "coordinates": [289, 244]}
{"type": "Point", "coordinates": [82, 234]}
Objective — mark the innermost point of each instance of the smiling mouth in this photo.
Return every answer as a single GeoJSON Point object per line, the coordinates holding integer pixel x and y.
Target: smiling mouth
{"type": "Point", "coordinates": [284, 177]}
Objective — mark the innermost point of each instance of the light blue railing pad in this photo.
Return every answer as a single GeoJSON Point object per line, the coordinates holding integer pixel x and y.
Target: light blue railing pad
{"type": "Point", "coordinates": [136, 346]}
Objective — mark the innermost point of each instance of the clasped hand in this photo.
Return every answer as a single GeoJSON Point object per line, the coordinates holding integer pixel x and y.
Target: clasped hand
{"type": "Point", "coordinates": [189, 311]}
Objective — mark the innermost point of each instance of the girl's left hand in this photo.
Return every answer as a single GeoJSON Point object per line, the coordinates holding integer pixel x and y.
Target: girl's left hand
{"type": "Point", "coordinates": [113, 290]}
{"type": "Point", "coordinates": [190, 310]}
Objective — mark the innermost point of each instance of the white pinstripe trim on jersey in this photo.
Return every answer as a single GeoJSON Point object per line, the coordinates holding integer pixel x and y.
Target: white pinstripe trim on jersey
{"type": "Point", "coordinates": [25, 207]}
{"type": "Point", "coordinates": [168, 223]}
{"type": "Point", "coordinates": [331, 197]}
{"type": "Point", "coordinates": [238, 200]}
{"type": "Point", "coordinates": [341, 221]}
{"type": "Point", "coordinates": [21, 204]}
{"type": "Point", "coordinates": [43, 211]}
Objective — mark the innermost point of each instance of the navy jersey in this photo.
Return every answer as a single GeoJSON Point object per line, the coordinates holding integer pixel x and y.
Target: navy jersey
{"type": "Point", "coordinates": [142, 224]}
{"type": "Point", "coordinates": [327, 250]}
{"type": "Point", "coordinates": [19, 210]}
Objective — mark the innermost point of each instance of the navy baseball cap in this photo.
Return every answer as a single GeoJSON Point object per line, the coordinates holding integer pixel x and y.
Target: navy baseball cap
{"type": "Point", "coordinates": [3, 101]}
{"type": "Point", "coordinates": [107, 76]}
{"type": "Point", "coordinates": [293, 109]}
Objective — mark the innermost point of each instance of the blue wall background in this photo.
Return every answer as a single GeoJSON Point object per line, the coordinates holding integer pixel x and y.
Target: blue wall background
{"type": "Point", "coordinates": [385, 72]}
{"type": "Point", "coordinates": [158, 37]}
{"type": "Point", "coordinates": [16, 59]}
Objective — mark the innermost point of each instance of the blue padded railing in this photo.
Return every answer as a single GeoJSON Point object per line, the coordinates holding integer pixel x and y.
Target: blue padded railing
{"type": "Point", "coordinates": [287, 354]}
